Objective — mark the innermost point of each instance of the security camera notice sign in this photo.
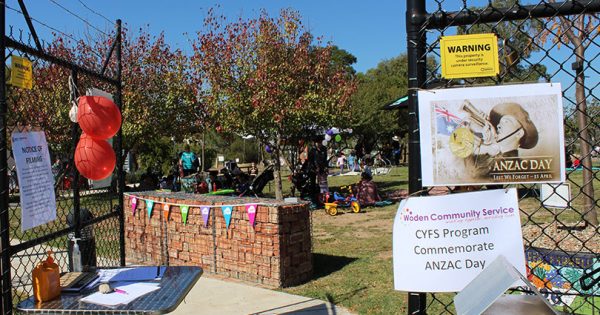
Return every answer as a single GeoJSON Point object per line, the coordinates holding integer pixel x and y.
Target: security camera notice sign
{"type": "Point", "coordinates": [469, 56]}
{"type": "Point", "coordinates": [441, 243]}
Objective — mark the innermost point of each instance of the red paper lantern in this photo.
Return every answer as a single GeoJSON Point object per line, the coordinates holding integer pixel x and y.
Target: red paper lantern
{"type": "Point", "coordinates": [98, 117]}
{"type": "Point", "coordinates": [95, 159]}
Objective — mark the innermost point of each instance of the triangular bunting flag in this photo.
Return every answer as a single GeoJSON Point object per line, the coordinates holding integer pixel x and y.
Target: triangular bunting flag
{"type": "Point", "coordinates": [149, 206]}
{"type": "Point", "coordinates": [166, 209]}
{"type": "Point", "coordinates": [205, 212]}
{"type": "Point", "coordinates": [133, 201]}
{"type": "Point", "coordinates": [184, 213]}
{"type": "Point", "coordinates": [251, 210]}
{"type": "Point", "coordinates": [227, 210]}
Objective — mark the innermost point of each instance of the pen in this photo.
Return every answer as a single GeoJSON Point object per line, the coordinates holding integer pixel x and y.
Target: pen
{"type": "Point", "coordinates": [121, 291]}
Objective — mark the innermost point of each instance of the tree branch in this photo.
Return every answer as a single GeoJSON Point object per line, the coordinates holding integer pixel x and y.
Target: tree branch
{"type": "Point", "coordinates": [567, 30]}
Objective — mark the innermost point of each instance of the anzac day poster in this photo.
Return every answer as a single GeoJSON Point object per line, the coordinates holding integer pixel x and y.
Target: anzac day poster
{"type": "Point", "coordinates": [492, 135]}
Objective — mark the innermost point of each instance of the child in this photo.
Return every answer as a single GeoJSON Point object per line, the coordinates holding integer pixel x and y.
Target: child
{"type": "Point", "coordinates": [352, 162]}
{"type": "Point", "coordinates": [341, 161]}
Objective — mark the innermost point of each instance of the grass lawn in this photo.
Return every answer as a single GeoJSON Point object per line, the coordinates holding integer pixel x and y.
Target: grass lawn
{"type": "Point", "coordinates": [353, 252]}
{"type": "Point", "coordinates": [98, 203]}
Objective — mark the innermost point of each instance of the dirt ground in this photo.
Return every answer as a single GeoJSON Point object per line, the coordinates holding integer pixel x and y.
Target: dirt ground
{"type": "Point", "coordinates": [556, 237]}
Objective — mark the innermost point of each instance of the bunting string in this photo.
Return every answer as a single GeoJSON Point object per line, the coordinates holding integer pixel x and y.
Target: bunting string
{"type": "Point", "coordinates": [199, 206]}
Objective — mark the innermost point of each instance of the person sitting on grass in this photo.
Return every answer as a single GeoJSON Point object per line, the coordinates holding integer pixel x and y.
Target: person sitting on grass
{"type": "Point", "coordinates": [366, 190]}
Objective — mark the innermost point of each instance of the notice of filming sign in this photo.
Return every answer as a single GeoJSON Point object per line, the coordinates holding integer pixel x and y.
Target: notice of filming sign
{"type": "Point", "coordinates": [36, 182]}
{"type": "Point", "coordinates": [469, 56]}
{"type": "Point", "coordinates": [441, 243]}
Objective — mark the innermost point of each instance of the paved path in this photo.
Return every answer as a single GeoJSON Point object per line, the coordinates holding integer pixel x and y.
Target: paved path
{"type": "Point", "coordinates": [214, 296]}
{"type": "Point", "coordinates": [24, 261]}
{"type": "Point", "coordinates": [208, 296]}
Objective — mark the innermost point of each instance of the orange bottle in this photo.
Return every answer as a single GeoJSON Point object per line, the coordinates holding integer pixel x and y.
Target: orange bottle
{"type": "Point", "coordinates": [46, 280]}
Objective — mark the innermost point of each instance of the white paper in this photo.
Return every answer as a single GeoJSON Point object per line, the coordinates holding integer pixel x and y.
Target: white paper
{"type": "Point", "coordinates": [104, 275]}
{"type": "Point", "coordinates": [556, 196]}
{"type": "Point", "coordinates": [36, 181]}
{"type": "Point", "coordinates": [139, 274]}
{"type": "Point", "coordinates": [442, 112]}
{"type": "Point", "coordinates": [133, 291]}
{"type": "Point", "coordinates": [441, 243]}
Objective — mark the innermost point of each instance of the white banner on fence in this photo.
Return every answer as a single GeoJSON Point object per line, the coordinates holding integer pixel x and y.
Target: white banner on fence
{"type": "Point", "coordinates": [36, 182]}
{"type": "Point", "coordinates": [441, 243]}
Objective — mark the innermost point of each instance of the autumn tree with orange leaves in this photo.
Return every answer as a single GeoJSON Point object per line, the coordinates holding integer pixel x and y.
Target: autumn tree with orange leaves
{"type": "Point", "coordinates": [159, 98]}
{"type": "Point", "coordinates": [269, 77]}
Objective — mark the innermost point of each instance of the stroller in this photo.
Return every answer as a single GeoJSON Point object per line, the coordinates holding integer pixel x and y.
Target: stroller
{"type": "Point", "coordinates": [303, 181]}
{"type": "Point", "coordinates": [300, 182]}
{"type": "Point", "coordinates": [259, 182]}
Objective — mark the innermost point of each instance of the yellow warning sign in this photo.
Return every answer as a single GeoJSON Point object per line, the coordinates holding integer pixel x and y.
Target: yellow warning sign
{"type": "Point", "coordinates": [469, 56]}
{"type": "Point", "coordinates": [21, 73]}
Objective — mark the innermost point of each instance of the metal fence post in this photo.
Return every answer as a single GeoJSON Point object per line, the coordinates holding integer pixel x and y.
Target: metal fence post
{"type": "Point", "coordinates": [119, 149]}
{"type": "Point", "coordinates": [75, 173]}
{"type": "Point", "coordinates": [5, 282]}
{"type": "Point", "coordinates": [415, 18]}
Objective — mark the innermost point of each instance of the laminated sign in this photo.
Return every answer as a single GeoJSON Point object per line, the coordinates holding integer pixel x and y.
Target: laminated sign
{"type": "Point", "coordinates": [469, 56]}
{"type": "Point", "coordinates": [21, 74]}
{"type": "Point", "coordinates": [508, 134]}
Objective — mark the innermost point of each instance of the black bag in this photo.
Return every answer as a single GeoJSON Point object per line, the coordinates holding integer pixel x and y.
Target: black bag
{"type": "Point", "coordinates": [196, 163]}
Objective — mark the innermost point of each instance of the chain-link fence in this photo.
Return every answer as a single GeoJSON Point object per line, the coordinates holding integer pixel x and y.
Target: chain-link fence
{"type": "Point", "coordinates": [539, 41]}
{"type": "Point", "coordinates": [84, 209]}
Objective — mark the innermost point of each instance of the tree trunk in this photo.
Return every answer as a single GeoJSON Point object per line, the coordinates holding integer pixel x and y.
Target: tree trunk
{"type": "Point", "coordinates": [589, 211]}
{"type": "Point", "coordinates": [204, 168]}
{"type": "Point", "coordinates": [277, 173]}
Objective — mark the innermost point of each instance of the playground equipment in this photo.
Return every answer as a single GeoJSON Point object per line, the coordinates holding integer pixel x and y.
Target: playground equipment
{"type": "Point", "coordinates": [339, 200]}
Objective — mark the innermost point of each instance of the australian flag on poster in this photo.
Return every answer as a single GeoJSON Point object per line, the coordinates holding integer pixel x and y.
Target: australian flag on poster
{"type": "Point", "coordinates": [446, 122]}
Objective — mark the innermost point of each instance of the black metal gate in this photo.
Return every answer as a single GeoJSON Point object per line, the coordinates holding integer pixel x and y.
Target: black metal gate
{"type": "Point", "coordinates": [90, 212]}
{"type": "Point", "coordinates": [539, 41]}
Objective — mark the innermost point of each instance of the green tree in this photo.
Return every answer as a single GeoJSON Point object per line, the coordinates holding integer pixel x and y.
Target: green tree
{"type": "Point", "coordinates": [344, 59]}
{"type": "Point", "coordinates": [268, 77]}
{"type": "Point", "coordinates": [517, 44]}
{"type": "Point", "coordinates": [383, 84]}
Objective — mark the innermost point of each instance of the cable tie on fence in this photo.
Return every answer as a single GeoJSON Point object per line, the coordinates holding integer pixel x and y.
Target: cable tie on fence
{"type": "Point", "coordinates": [73, 99]}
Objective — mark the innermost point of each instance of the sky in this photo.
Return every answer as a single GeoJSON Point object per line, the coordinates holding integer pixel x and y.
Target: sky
{"type": "Point", "coordinates": [370, 30]}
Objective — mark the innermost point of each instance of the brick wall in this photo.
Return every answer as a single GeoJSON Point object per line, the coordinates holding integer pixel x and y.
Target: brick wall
{"type": "Point", "coordinates": [275, 253]}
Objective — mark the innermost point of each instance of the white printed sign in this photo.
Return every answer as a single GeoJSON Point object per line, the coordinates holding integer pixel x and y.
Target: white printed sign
{"type": "Point", "coordinates": [556, 196]}
{"type": "Point", "coordinates": [441, 243]}
{"type": "Point", "coordinates": [36, 182]}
